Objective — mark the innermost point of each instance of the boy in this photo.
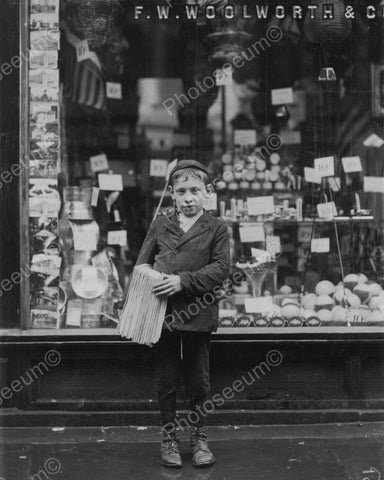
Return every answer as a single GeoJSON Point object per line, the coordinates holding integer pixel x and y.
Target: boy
{"type": "Point", "coordinates": [191, 249]}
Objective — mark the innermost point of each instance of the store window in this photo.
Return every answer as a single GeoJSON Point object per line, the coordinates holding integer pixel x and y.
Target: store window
{"type": "Point", "coordinates": [291, 131]}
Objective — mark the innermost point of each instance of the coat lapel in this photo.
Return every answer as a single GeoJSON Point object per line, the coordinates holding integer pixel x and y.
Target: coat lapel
{"type": "Point", "coordinates": [202, 225]}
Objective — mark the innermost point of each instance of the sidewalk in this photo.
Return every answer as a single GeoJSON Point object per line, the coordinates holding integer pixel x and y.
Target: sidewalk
{"type": "Point", "coordinates": [310, 452]}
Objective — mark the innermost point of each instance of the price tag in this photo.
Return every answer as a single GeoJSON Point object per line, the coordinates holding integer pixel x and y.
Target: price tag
{"type": "Point", "coordinates": [95, 196]}
{"type": "Point", "coordinates": [99, 162]}
{"type": "Point", "coordinates": [311, 175]}
{"type": "Point", "coordinates": [110, 182]}
{"type": "Point", "coordinates": [374, 184]}
{"type": "Point", "coordinates": [304, 233]}
{"type": "Point", "coordinates": [82, 50]}
{"type": "Point", "coordinates": [258, 305]}
{"type": "Point", "coordinates": [327, 210]}
{"type": "Point", "coordinates": [244, 137]}
{"type": "Point", "coordinates": [373, 141]}
{"type": "Point", "coordinates": [117, 237]}
{"type": "Point", "coordinates": [260, 205]}
{"type": "Point", "coordinates": [273, 244]}
{"type": "Point", "coordinates": [74, 309]}
{"type": "Point", "coordinates": [114, 90]}
{"type": "Point", "coordinates": [352, 164]}
{"type": "Point", "coordinates": [252, 234]}
{"type": "Point", "coordinates": [282, 96]}
{"type": "Point", "coordinates": [84, 240]}
{"type": "Point", "coordinates": [320, 245]}
{"type": "Point", "coordinates": [158, 168]}
{"type": "Point", "coordinates": [325, 166]}
{"type": "Point", "coordinates": [211, 202]}
{"type": "Point", "coordinates": [224, 76]}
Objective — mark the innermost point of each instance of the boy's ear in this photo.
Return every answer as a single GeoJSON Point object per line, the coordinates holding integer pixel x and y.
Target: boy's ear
{"type": "Point", "coordinates": [209, 188]}
{"type": "Point", "coordinates": [170, 189]}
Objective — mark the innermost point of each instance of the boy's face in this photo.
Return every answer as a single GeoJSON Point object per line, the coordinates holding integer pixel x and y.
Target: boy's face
{"type": "Point", "coordinates": [189, 196]}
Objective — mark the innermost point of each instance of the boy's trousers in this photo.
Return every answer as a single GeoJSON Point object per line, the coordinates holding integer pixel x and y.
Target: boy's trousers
{"type": "Point", "coordinates": [186, 352]}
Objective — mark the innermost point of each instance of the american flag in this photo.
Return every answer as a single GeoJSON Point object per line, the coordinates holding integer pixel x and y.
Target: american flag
{"type": "Point", "coordinates": [84, 83]}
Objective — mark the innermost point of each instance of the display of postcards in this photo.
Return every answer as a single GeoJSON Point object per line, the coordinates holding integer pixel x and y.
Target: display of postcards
{"type": "Point", "coordinates": [43, 21]}
{"type": "Point", "coordinates": [45, 242]}
{"type": "Point", "coordinates": [43, 187]}
{"type": "Point", "coordinates": [44, 150]}
{"type": "Point", "coordinates": [44, 319]}
{"type": "Point", "coordinates": [42, 263]}
{"type": "Point", "coordinates": [43, 40]}
{"type": "Point", "coordinates": [42, 226]}
{"type": "Point", "coordinates": [43, 168]}
{"type": "Point", "coordinates": [44, 94]}
{"type": "Point", "coordinates": [44, 207]}
{"type": "Point", "coordinates": [44, 78]}
{"type": "Point", "coordinates": [39, 60]}
{"type": "Point", "coordinates": [40, 280]}
{"type": "Point", "coordinates": [45, 298]}
{"type": "Point", "coordinates": [44, 114]}
{"type": "Point", "coordinates": [45, 6]}
{"type": "Point", "coordinates": [45, 133]}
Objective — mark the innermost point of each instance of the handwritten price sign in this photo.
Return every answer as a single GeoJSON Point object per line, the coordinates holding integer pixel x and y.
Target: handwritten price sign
{"type": "Point", "coordinates": [351, 164]}
{"type": "Point", "coordinates": [325, 166]}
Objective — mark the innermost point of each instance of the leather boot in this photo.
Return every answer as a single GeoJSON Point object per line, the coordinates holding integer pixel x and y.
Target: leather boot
{"type": "Point", "coordinates": [201, 454]}
{"type": "Point", "coordinates": [169, 450]}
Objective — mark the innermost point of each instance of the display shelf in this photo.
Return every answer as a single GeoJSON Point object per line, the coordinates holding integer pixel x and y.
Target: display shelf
{"type": "Point", "coordinates": [339, 219]}
{"type": "Point", "coordinates": [374, 333]}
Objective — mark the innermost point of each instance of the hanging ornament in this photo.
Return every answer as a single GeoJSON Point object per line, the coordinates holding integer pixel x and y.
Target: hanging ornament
{"type": "Point", "coordinates": [92, 19]}
{"type": "Point", "coordinates": [327, 31]}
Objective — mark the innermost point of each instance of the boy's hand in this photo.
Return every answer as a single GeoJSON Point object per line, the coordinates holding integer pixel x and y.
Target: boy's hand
{"type": "Point", "coordinates": [169, 286]}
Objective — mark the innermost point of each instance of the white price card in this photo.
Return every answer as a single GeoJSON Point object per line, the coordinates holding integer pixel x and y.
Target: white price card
{"type": "Point", "coordinates": [244, 137]}
{"type": "Point", "coordinates": [252, 234]}
{"type": "Point", "coordinates": [260, 255]}
{"type": "Point", "coordinates": [311, 175]}
{"type": "Point", "coordinates": [258, 305]}
{"type": "Point", "coordinates": [352, 164]}
{"type": "Point", "coordinates": [82, 50]}
{"type": "Point", "coordinates": [325, 166]}
{"type": "Point", "coordinates": [111, 182]}
{"type": "Point", "coordinates": [224, 76]}
{"type": "Point", "coordinates": [84, 240]}
{"type": "Point", "coordinates": [95, 196]}
{"type": "Point", "coordinates": [260, 205]}
{"type": "Point", "coordinates": [282, 96]}
{"type": "Point", "coordinates": [320, 245]}
{"type": "Point", "coordinates": [158, 168]}
{"type": "Point", "coordinates": [74, 309]}
{"type": "Point", "coordinates": [210, 203]}
{"type": "Point", "coordinates": [114, 90]}
{"type": "Point", "coordinates": [99, 162]}
{"type": "Point", "coordinates": [327, 210]}
{"type": "Point", "coordinates": [117, 237]}
{"type": "Point", "coordinates": [374, 184]}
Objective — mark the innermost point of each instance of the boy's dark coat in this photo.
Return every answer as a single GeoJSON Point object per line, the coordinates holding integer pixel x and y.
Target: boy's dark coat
{"type": "Point", "coordinates": [200, 256]}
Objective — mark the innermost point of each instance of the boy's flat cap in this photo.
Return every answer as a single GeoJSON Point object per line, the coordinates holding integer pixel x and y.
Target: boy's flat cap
{"type": "Point", "coordinates": [188, 164]}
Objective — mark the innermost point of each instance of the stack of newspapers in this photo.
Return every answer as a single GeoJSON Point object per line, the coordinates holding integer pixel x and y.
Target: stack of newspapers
{"type": "Point", "coordinates": [143, 313]}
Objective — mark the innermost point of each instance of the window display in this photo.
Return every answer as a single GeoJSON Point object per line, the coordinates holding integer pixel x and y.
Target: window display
{"type": "Point", "coordinates": [293, 138]}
